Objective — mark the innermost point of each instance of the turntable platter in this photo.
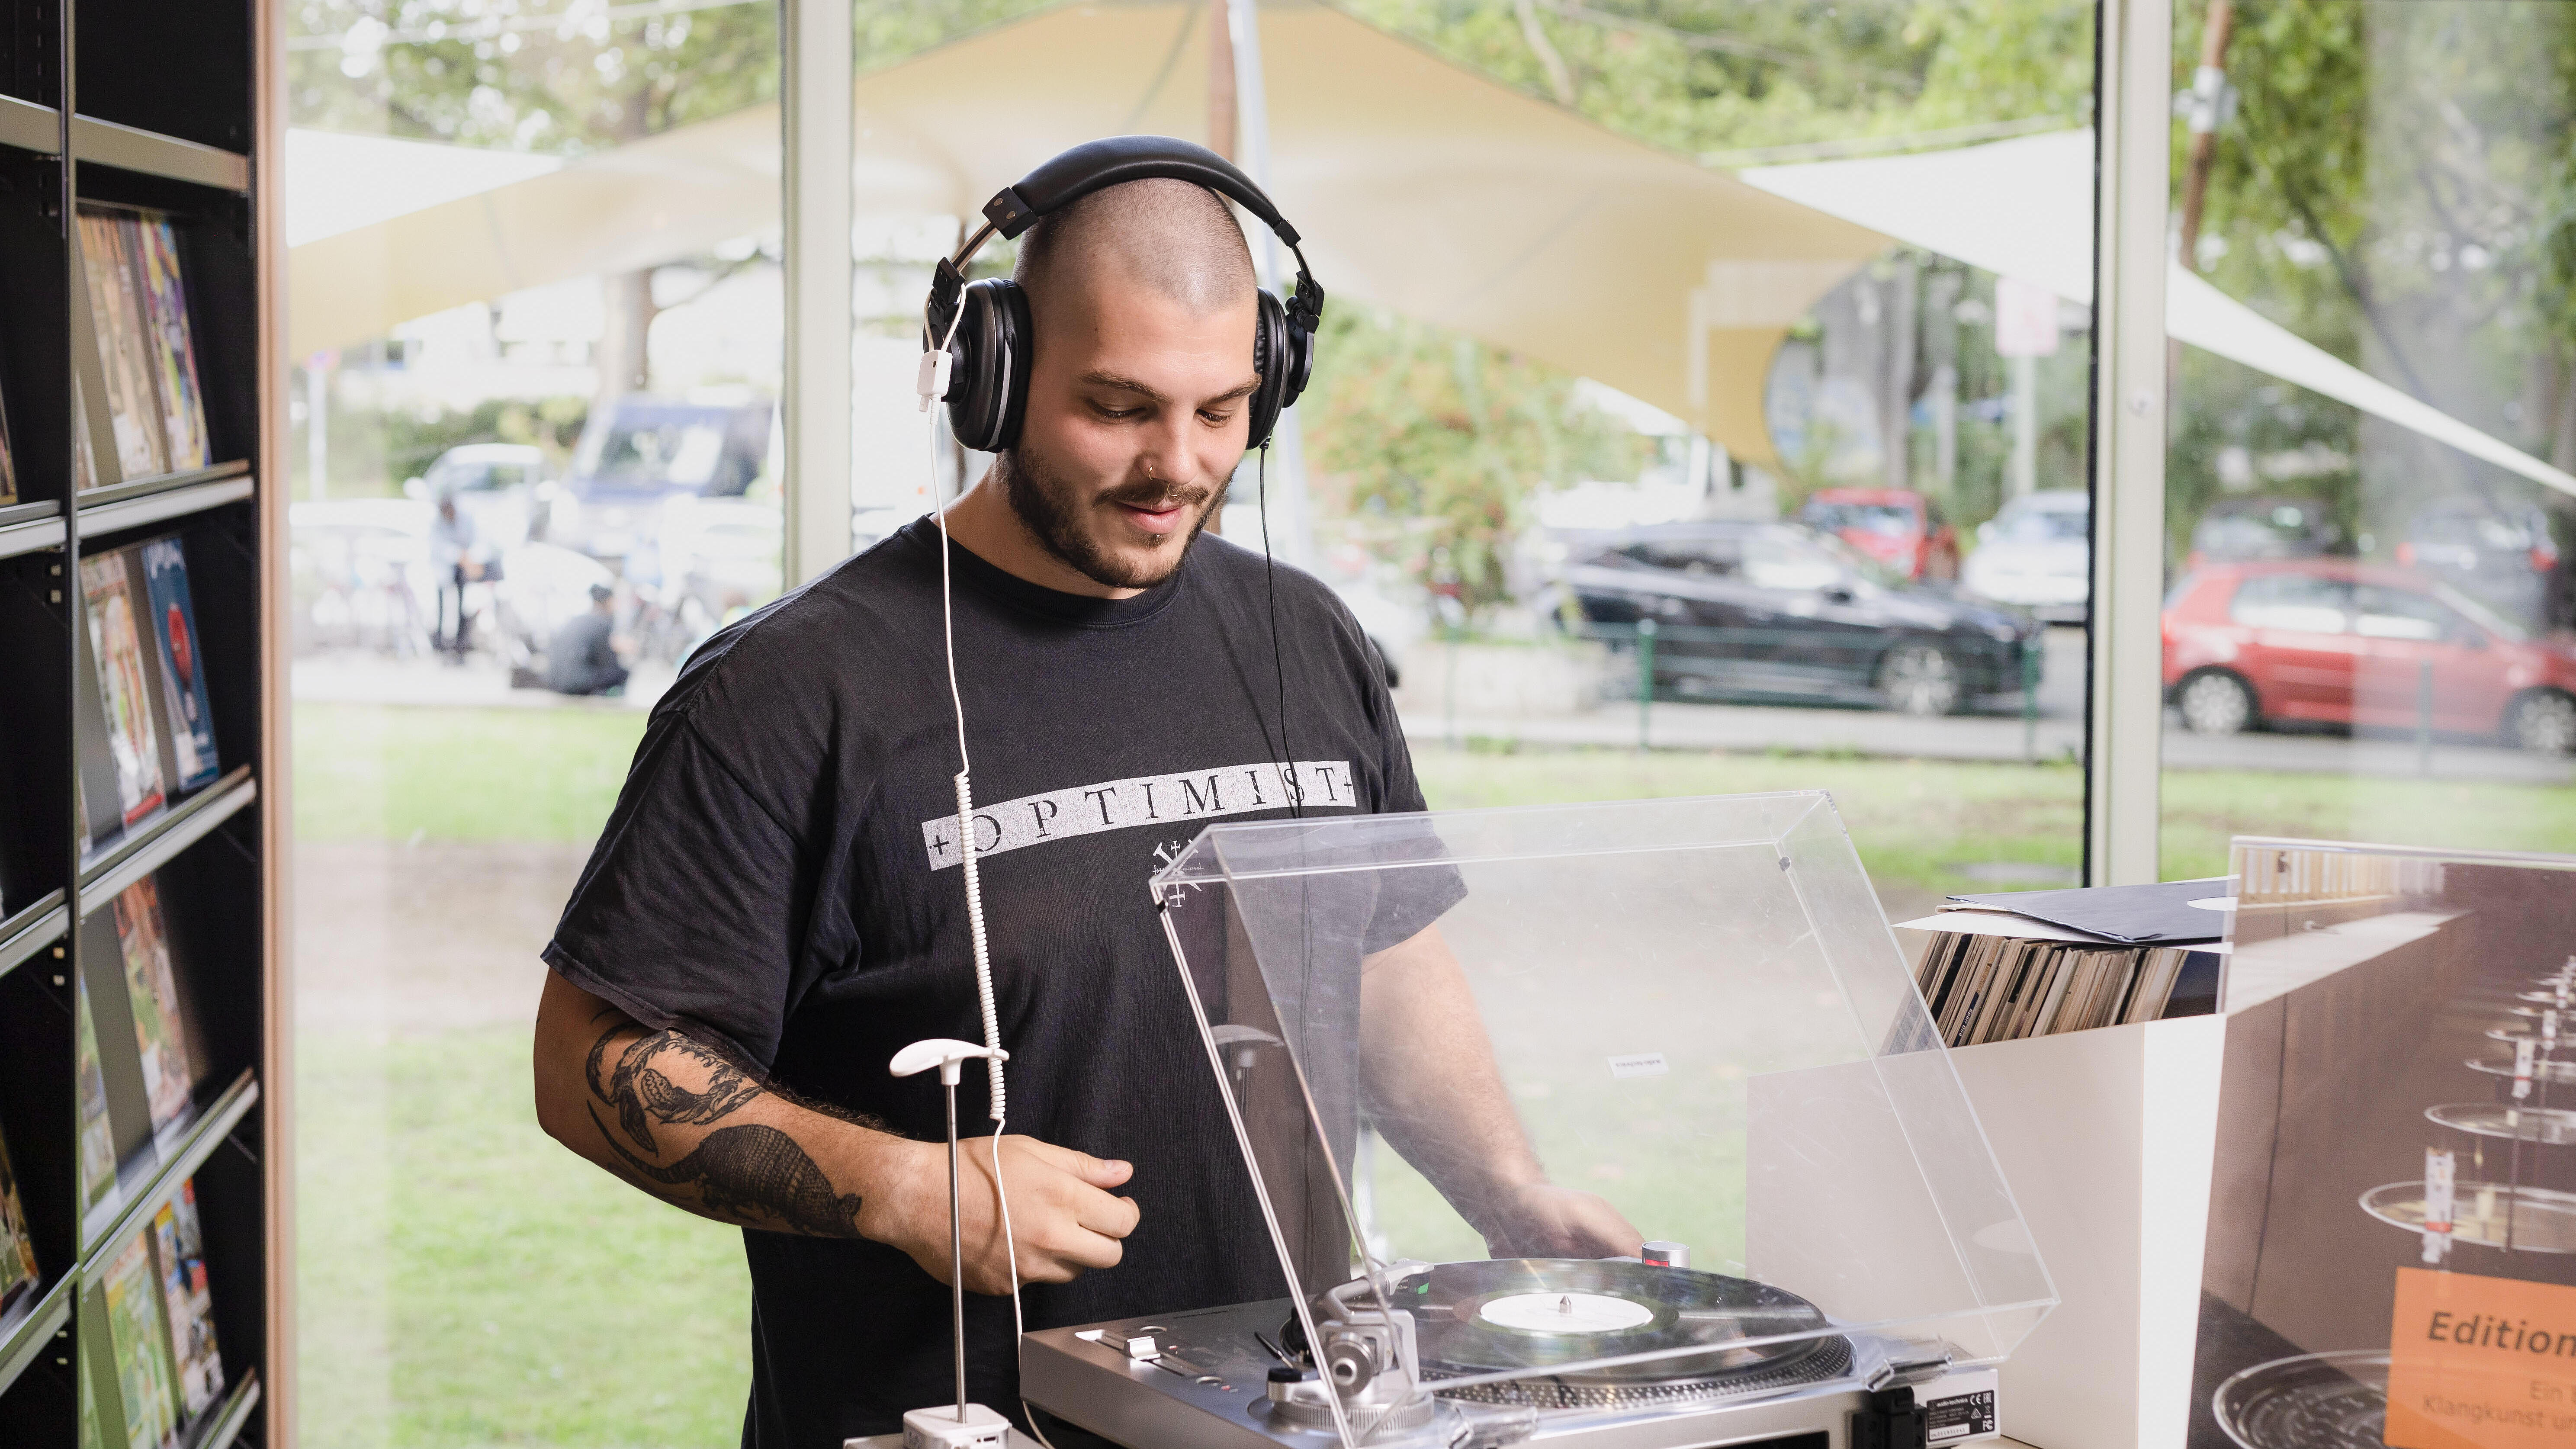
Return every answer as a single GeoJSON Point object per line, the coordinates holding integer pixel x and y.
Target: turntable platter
{"type": "Point", "coordinates": [1553, 1314]}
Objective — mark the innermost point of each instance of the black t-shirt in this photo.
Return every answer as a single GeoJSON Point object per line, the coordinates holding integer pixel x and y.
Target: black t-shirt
{"type": "Point", "coordinates": [778, 877]}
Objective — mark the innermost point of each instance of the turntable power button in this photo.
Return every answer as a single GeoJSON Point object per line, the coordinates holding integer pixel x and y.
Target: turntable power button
{"type": "Point", "coordinates": [1662, 1254]}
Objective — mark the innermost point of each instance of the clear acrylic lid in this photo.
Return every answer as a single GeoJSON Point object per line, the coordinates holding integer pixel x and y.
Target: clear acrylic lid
{"type": "Point", "coordinates": [1560, 1035]}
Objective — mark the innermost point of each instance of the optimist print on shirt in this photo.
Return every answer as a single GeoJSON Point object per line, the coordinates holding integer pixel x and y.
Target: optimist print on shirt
{"type": "Point", "coordinates": [1141, 800]}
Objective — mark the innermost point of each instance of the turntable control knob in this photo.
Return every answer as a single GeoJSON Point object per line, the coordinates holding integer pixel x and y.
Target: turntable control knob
{"type": "Point", "coordinates": [1661, 1254]}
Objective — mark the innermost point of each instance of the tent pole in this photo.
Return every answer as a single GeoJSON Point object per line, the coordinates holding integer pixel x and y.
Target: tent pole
{"type": "Point", "coordinates": [1289, 515]}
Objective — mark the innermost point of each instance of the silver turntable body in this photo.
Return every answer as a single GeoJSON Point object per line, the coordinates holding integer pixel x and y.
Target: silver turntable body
{"type": "Point", "coordinates": [1200, 1380]}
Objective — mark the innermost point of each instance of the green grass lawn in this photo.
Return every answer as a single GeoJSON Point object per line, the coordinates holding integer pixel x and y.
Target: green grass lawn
{"type": "Point", "coordinates": [465, 1282]}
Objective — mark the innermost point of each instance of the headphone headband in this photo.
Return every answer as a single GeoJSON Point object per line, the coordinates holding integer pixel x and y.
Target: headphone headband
{"type": "Point", "coordinates": [1113, 160]}
{"type": "Point", "coordinates": [977, 330]}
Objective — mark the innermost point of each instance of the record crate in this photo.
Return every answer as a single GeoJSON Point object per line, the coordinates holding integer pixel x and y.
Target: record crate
{"type": "Point", "coordinates": [144, 1278]}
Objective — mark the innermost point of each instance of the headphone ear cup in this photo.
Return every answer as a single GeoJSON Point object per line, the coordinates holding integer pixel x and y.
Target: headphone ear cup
{"type": "Point", "coordinates": [988, 394]}
{"type": "Point", "coordinates": [1274, 346]}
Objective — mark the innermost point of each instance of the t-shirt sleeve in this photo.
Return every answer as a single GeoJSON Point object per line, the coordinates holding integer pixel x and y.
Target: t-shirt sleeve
{"type": "Point", "coordinates": [689, 912]}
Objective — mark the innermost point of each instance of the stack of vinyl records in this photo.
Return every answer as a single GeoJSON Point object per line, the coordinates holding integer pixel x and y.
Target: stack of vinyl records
{"type": "Point", "coordinates": [139, 310]}
{"type": "Point", "coordinates": [2034, 963]}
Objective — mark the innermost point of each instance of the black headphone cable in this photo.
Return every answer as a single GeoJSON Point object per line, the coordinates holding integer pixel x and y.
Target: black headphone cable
{"type": "Point", "coordinates": [1295, 787]}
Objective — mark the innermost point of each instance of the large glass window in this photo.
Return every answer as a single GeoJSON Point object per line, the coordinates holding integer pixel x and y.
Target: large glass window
{"type": "Point", "coordinates": [535, 273]}
{"type": "Point", "coordinates": [2372, 425]}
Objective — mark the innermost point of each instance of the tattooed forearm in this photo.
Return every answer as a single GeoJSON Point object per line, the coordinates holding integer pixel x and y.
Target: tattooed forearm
{"type": "Point", "coordinates": [640, 1088]}
{"type": "Point", "coordinates": [753, 1172]}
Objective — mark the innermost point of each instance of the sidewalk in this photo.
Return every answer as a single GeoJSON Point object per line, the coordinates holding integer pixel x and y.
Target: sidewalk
{"type": "Point", "coordinates": [1991, 738]}
{"type": "Point", "coordinates": [481, 683]}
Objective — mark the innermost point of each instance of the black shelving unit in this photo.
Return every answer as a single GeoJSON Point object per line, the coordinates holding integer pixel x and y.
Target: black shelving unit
{"type": "Point", "coordinates": [168, 107]}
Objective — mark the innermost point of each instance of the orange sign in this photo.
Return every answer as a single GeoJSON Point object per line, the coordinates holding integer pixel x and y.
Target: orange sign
{"type": "Point", "coordinates": [2481, 1363]}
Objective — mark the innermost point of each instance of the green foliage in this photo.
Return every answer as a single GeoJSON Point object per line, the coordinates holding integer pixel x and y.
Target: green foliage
{"type": "Point", "coordinates": [2397, 187]}
{"type": "Point", "coordinates": [1714, 75]}
{"type": "Point", "coordinates": [1448, 440]}
{"type": "Point", "coordinates": [440, 70]}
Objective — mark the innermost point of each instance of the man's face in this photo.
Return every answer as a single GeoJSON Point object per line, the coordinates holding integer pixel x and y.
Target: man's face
{"type": "Point", "coordinates": [1138, 412]}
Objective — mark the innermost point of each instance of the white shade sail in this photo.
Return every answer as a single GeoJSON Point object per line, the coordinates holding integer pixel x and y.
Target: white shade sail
{"type": "Point", "coordinates": [2024, 208]}
{"type": "Point", "coordinates": [1418, 184]}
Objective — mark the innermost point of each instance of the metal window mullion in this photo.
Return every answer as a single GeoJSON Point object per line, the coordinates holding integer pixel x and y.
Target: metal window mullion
{"type": "Point", "coordinates": [817, 116]}
{"type": "Point", "coordinates": [2125, 709]}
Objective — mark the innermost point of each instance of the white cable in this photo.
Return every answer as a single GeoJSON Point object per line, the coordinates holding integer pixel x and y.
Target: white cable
{"type": "Point", "coordinates": [975, 918]}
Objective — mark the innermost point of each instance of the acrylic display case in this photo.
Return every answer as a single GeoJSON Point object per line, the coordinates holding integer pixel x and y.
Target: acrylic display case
{"type": "Point", "coordinates": [1589, 1115]}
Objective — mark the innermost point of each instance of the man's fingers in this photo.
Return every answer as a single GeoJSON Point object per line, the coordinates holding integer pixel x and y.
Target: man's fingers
{"type": "Point", "coordinates": [1098, 1171]}
{"type": "Point", "coordinates": [1114, 1217]}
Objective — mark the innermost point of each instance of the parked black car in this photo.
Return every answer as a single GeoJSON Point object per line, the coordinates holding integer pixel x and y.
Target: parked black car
{"type": "Point", "coordinates": [1780, 610]}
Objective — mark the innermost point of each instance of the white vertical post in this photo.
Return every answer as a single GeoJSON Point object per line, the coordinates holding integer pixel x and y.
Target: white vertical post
{"type": "Point", "coordinates": [815, 410]}
{"type": "Point", "coordinates": [317, 427]}
{"type": "Point", "coordinates": [2025, 432]}
{"type": "Point", "coordinates": [1292, 535]}
{"type": "Point", "coordinates": [2127, 703]}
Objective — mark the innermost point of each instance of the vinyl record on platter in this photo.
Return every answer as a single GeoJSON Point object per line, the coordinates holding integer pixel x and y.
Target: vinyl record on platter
{"type": "Point", "coordinates": [1538, 1313]}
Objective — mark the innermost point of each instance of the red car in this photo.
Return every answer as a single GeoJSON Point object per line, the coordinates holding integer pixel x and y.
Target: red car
{"type": "Point", "coordinates": [1898, 527]}
{"type": "Point", "coordinates": [2338, 642]}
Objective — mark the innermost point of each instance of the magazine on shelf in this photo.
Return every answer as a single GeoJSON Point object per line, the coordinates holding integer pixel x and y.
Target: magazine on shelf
{"type": "Point", "coordinates": [97, 1134]}
{"type": "Point", "coordinates": [173, 630]}
{"type": "Point", "coordinates": [124, 342]}
{"type": "Point", "coordinates": [18, 1276]}
{"type": "Point", "coordinates": [146, 1378]}
{"type": "Point", "coordinates": [179, 1250]}
{"type": "Point", "coordinates": [92, 1436]}
{"type": "Point", "coordinates": [152, 989]}
{"type": "Point", "coordinates": [124, 686]}
{"type": "Point", "coordinates": [8, 458]}
{"type": "Point", "coordinates": [155, 247]}
{"type": "Point", "coordinates": [139, 310]}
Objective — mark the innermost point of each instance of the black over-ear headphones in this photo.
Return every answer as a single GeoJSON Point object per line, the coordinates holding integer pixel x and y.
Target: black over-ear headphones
{"type": "Point", "coordinates": [978, 335]}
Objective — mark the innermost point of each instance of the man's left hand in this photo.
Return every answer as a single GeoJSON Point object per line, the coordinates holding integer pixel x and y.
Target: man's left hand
{"type": "Point", "coordinates": [1543, 1220]}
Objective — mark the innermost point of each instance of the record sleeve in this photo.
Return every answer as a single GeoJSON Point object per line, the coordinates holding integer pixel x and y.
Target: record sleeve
{"type": "Point", "coordinates": [17, 1243]}
{"type": "Point", "coordinates": [179, 1247]}
{"type": "Point", "coordinates": [125, 695]}
{"type": "Point", "coordinates": [145, 1377]}
{"type": "Point", "coordinates": [174, 622]}
{"type": "Point", "coordinates": [108, 243]}
{"type": "Point", "coordinates": [174, 355]}
{"type": "Point", "coordinates": [97, 1135]}
{"type": "Point", "coordinates": [169, 1079]}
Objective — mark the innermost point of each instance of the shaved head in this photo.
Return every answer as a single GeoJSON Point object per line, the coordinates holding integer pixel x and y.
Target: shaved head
{"type": "Point", "coordinates": [1175, 239]}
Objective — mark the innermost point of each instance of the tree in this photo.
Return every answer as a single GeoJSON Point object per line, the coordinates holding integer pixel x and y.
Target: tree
{"type": "Point", "coordinates": [1445, 441]}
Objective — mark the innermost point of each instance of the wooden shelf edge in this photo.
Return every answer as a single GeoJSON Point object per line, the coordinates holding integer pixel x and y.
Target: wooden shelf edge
{"type": "Point", "coordinates": [225, 1425]}
{"type": "Point", "coordinates": [28, 535]}
{"type": "Point", "coordinates": [26, 1342]}
{"type": "Point", "coordinates": [156, 500]}
{"type": "Point", "coordinates": [151, 845]}
{"type": "Point", "coordinates": [129, 148]}
{"type": "Point", "coordinates": [137, 1208]}
{"type": "Point", "coordinates": [32, 930]}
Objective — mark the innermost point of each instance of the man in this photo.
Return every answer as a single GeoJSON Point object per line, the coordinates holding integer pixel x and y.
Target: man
{"type": "Point", "coordinates": [772, 912]}
{"type": "Point", "coordinates": [582, 657]}
{"type": "Point", "coordinates": [453, 544]}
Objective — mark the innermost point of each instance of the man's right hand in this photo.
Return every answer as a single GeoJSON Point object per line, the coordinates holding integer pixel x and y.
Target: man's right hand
{"type": "Point", "coordinates": [1063, 1218]}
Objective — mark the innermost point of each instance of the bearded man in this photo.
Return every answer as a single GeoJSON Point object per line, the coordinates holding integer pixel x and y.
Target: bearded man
{"type": "Point", "coordinates": [771, 913]}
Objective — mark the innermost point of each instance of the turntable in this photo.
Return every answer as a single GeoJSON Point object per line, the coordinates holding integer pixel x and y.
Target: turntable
{"type": "Point", "coordinates": [1615, 1125]}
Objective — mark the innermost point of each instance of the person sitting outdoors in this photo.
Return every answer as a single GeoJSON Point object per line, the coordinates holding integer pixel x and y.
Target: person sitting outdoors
{"type": "Point", "coordinates": [582, 659]}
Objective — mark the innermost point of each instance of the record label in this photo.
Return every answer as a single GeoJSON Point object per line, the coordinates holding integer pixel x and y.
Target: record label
{"type": "Point", "coordinates": [1565, 1313]}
